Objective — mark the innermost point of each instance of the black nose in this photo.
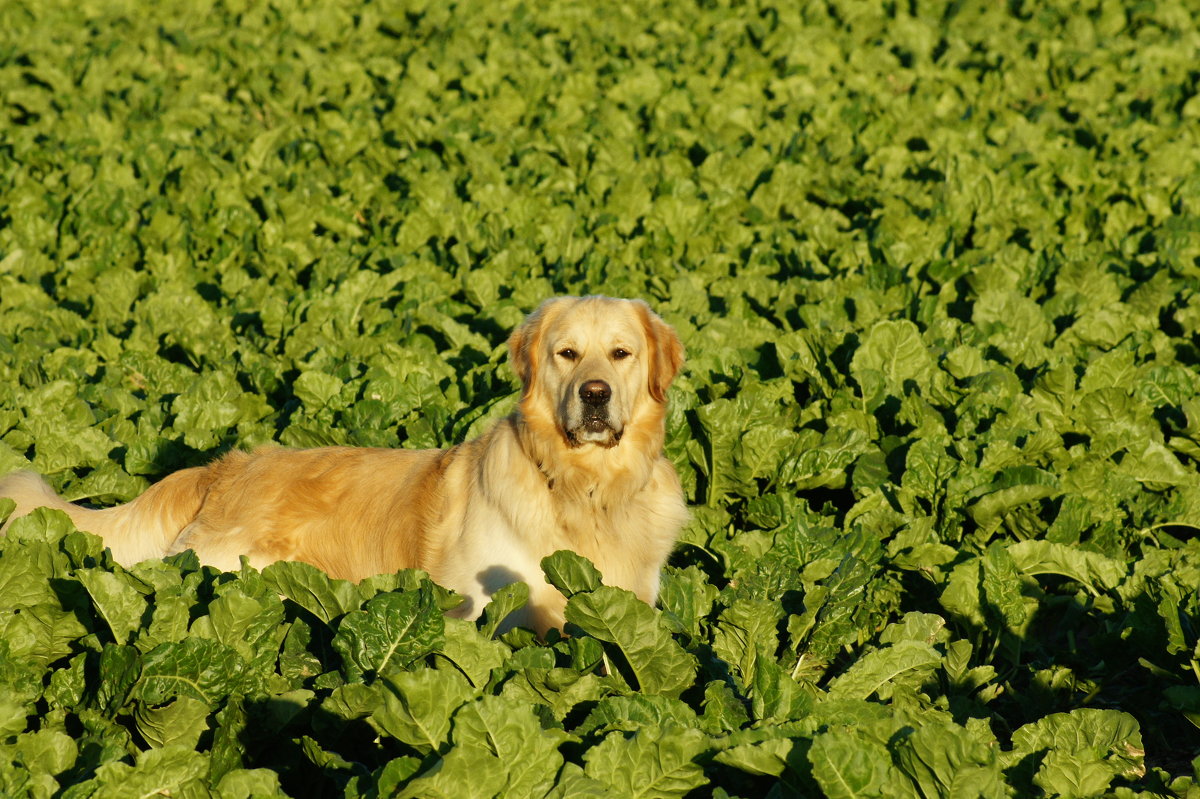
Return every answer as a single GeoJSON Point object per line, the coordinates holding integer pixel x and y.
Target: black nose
{"type": "Point", "coordinates": [595, 392]}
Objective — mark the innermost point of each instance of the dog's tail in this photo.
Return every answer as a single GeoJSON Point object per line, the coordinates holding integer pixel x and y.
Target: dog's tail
{"type": "Point", "coordinates": [139, 530]}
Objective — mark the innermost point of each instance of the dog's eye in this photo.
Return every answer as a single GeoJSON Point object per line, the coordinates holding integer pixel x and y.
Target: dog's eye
{"type": "Point", "coordinates": [568, 353]}
{"type": "Point", "coordinates": [619, 353]}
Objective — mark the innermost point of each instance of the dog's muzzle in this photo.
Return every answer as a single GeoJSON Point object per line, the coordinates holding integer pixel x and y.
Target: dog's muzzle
{"type": "Point", "coordinates": [594, 423]}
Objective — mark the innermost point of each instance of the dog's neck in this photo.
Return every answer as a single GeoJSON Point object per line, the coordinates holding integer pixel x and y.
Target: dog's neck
{"type": "Point", "coordinates": [588, 475]}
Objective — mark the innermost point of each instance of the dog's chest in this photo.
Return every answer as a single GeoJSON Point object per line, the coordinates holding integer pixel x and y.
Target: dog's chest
{"type": "Point", "coordinates": [619, 537]}
{"type": "Point", "coordinates": [586, 514]}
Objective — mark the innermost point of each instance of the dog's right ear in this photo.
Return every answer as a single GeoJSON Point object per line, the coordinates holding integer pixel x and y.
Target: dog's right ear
{"type": "Point", "coordinates": [519, 354]}
{"type": "Point", "coordinates": [525, 342]}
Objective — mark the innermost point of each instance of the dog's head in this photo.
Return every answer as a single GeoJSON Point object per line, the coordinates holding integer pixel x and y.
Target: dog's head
{"type": "Point", "coordinates": [593, 363]}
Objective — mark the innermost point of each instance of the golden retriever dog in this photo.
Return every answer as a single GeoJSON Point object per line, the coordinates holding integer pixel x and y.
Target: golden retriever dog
{"type": "Point", "coordinates": [578, 465]}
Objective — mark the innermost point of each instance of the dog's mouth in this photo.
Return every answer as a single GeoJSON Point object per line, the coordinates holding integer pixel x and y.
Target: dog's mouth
{"type": "Point", "coordinates": [594, 428]}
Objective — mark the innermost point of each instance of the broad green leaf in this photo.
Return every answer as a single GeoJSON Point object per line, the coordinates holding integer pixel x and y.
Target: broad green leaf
{"type": "Point", "coordinates": [316, 389]}
{"type": "Point", "coordinates": [1014, 324]}
{"type": "Point", "coordinates": [46, 525]}
{"type": "Point", "coordinates": [957, 666]}
{"type": "Point", "coordinates": [120, 670]}
{"type": "Point", "coordinates": [326, 760]}
{"type": "Point", "coordinates": [574, 783]}
{"type": "Point", "coordinates": [776, 695]}
{"type": "Point", "coordinates": [13, 715]}
{"type": "Point", "coordinates": [1153, 465]}
{"type": "Point", "coordinates": [41, 633]}
{"type": "Point", "coordinates": [834, 622]}
{"type": "Point", "coordinates": [927, 470]}
{"type": "Point", "coordinates": [962, 595]}
{"type": "Point", "coordinates": [1168, 611]}
{"type": "Point", "coordinates": [209, 408]}
{"type": "Point", "coordinates": [1013, 488]}
{"type": "Point", "coordinates": [194, 667]}
{"type": "Point", "coordinates": [846, 765]}
{"type": "Point", "coordinates": [471, 653]}
{"type": "Point", "coordinates": [745, 632]}
{"type": "Point", "coordinates": [915, 626]}
{"type": "Point", "coordinates": [873, 672]}
{"type": "Point", "coordinates": [311, 589]}
{"type": "Point", "coordinates": [84, 549]}
{"type": "Point", "coordinates": [418, 705]}
{"type": "Point", "coordinates": [1085, 750]}
{"type": "Point", "coordinates": [505, 601]}
{"type": "Point", "coordinates": [1002, 588]}
{"type": "Point", "coordinates": [228, 750]}
{"type": "Point", "coordinates": [767, 758]}
{"type": "Point", "coordinates": [560, 689]}
{"type": "Point", "coordinates": [25, 572]}
{"type": "Point", "coordinates": [118, 601]}
{"type": "Point", "coordinates": [649, 762]}
{"type": "Point", "coordinates": [1110, 732]}
{"type": "Point", "coordinates": [249, 624]}
{"type": "Point", "coordinates": [469, 772]}
{"type": "Point", "coordinates": [174, 770]}
{"type": "Point", "coordinates": [510, 731]}
{"type": "Point", "coordinates": [181, 722]}
{"type": "Point", "coordinates": [1185, 699]}
{"type": "Point", "coordinates": [630, 713]}
{"type": "Point", "coordinates": [1073, 775]}
{"type": "Point", "coordinates": [686, 597]}
{"type": "Point", "coordinates": [249, 783]}
{"type": "Point", "coordinates": [891, 355]}
{"type": "Point", "coordinates": [723, 709]}
{"type": "Point", "coordinates": [391, 632]}
{"type": "Point", "coordinates": [822, 463]}
{"type": "Point", "coordinates": [399, 770]}
{"type": "Point", "coordinates": [297, 661]}
{"type": "Point", "coordinates": [45, 752]}
{"type": "Point", "coordinates": [67, 684]}
{"type": "Point", "coordinates": [570, 573]}
{"type": "Point", "coordinates": [943, 759]}
{"type": "Point", "coordinates": [656, 662]}
{"type": "Point", "coordinates": [1090, 568]}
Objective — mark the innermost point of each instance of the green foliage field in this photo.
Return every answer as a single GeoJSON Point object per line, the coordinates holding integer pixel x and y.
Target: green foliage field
{"type": "Point", "coordinates": [937, 268]}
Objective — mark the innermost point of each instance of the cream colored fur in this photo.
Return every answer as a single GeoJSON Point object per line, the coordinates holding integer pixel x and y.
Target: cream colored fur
{"type": "Point", "coordinates": [475, 517]}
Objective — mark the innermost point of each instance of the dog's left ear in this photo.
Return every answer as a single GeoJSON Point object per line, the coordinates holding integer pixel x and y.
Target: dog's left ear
{"type": "Point", "coordinates": [665, 351]}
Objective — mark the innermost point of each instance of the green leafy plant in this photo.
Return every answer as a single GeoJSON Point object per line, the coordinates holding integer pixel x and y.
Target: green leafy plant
{"type": "Point", "coordinates": [935, 266]}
